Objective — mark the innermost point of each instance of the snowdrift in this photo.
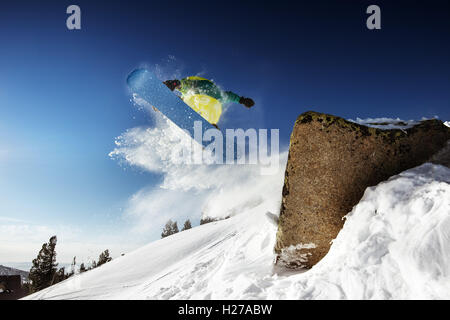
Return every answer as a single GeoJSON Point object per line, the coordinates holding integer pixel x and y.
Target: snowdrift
{"type": "Point", "coordinates": [395, 244]}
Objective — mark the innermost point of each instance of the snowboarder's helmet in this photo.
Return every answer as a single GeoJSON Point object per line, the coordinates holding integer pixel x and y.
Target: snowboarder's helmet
{"type": "Point", "coordinates": [172, 84]}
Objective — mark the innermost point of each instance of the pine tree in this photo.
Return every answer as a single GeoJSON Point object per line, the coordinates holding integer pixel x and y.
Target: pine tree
{"type": "Point", "coordinates": [43, 271]}
{"type": "Point", "coordinates": [82, 268]}
{"type": "Point", "coordinates": [104, 258]}
{"type": "Point", "coordinates": [207, 220]}
{"type": "Point", "coordinates": [93, 265]}
{"type": "Point", "coordinates": [174, 227]}
{"type": "Point", "coordinates": [187, 225]}
{"type": "Point", "coordinates": [72, 267]}
{"type": "Point", "coordinates": [167, 231]}
{"type": "Point", "coordinates": [26, 287]}
{"type": "Point", "coordinates": [60, 275]}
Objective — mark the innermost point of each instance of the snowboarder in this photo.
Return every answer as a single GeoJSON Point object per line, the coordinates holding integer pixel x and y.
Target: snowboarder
{"type": "Point", "coordinates": [205, 97]}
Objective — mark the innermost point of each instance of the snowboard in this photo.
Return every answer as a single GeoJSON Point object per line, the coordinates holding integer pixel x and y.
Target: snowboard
{"type": "Point", "coordinates": [148, 87]}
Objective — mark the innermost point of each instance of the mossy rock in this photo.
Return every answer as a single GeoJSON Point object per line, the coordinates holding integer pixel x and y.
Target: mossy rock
{"type": "Point", "coordinates": [330, 164]}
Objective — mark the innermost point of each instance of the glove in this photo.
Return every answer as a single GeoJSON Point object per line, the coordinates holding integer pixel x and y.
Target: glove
{"type": "Point", "coordinates": [172, 84]}
{"type": "Point", "coordinates": [247, 102]}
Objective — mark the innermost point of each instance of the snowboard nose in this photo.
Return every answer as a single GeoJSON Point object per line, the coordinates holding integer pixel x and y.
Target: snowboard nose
{"type": "Point", "coordinates": [137, 78]}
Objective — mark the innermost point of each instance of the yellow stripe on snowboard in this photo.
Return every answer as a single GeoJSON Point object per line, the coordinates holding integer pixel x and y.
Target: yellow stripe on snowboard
{"type": "Point", "coordinates": [209, 108]}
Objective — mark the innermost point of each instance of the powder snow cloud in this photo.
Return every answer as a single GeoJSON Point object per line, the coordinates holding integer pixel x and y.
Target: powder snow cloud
{"type": "Point", "coordinates": [188, 190]}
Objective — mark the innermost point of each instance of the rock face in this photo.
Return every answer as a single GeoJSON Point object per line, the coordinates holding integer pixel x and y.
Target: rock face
{"type": "Point", "coordinates": [443, 156]}
{"type": "Point", "coordinates": [331, 162]}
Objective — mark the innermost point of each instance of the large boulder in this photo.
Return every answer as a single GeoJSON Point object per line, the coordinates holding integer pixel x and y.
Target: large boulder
{"type": "Point", "coordinates": [331, 162]}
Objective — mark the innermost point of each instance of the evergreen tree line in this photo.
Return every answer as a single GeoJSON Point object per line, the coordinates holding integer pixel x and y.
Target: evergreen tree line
{"type": "Point", "coordinates": [45, 273]}
{"type": "Point", "coordinates": [171, 227]}
{"type": "Point", "coordinates": [102, 259]}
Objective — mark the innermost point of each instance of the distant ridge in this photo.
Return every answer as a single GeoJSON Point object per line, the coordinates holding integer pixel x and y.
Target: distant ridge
{"type": "Point", "coordinates": [7, 271]}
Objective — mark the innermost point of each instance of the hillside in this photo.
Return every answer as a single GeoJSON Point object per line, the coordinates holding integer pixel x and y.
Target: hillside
{"type": "Point", "coordinates": [394, 245]}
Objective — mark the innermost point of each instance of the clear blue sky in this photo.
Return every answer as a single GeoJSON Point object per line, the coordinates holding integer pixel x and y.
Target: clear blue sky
{"type": "Point", "coordinates": [63, 98]}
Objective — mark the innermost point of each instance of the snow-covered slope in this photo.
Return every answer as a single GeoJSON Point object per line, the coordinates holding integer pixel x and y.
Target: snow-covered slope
{"type": "Point", "coordinates": [395, 244]}
{"type": "Point", "coordinates": [191, 264]}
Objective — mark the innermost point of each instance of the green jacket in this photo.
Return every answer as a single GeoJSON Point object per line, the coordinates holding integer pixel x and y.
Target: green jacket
{"type": "Point", "coordinates": [199, 85]}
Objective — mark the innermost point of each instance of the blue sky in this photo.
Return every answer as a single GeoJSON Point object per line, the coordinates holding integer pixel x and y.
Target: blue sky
{"type": "Point", "coordinates": [63, 98]}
